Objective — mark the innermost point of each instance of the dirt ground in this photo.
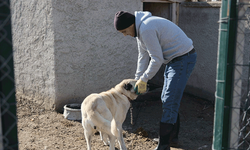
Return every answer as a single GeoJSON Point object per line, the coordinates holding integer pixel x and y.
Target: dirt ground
{"type": "Point", "coordinates": [39, 129]}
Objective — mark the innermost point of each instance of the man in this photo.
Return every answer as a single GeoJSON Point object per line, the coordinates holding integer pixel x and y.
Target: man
{"type": "Point", "coordinates": [160, 41]}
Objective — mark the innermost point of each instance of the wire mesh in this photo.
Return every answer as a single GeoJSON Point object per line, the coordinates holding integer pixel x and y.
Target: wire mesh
{"type": "Point", "coordinates": [8, 120]}
{"type": "Point", "coordinates": [240, 110]}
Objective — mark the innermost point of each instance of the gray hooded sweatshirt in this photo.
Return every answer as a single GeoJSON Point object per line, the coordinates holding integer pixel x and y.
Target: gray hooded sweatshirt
{"type": "Point", "coordinates": [159, 40]}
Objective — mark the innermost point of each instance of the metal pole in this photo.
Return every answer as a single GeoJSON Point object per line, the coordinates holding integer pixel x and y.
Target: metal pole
{"type": "Point", "coordinates": [226, 49]}
{"type": "Point", "coordinates": [220, 78]}
{"type": "Point", "coordinates": [232, 32]}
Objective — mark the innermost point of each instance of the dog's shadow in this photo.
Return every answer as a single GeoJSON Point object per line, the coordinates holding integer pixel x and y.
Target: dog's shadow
{"type": "Point", "coordinates": [144, 114]}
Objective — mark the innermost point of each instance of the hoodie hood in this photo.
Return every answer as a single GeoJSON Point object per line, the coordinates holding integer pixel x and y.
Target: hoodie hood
{"type": "Point", "coordinates": [140, 16]}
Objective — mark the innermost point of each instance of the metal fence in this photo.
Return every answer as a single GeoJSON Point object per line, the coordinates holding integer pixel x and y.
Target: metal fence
{"type": "Point", "coordinates": [8, 120]}
{"type": "Point", "coordinates": [240, 110]}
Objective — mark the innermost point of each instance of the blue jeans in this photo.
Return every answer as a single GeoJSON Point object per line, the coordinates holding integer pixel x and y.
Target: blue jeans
{"type": "Point", "coordinates": [176, 76]}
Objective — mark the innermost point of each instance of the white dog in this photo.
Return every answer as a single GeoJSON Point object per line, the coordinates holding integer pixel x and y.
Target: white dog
{"type": "Point", "coordinates": [106, 112]}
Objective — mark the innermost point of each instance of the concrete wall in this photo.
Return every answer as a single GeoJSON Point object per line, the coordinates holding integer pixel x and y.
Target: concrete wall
{"type": "Point", "coordinates": [33, 47]}
{"type": "Point", "coordinates": [90, 55]}
{"type": "Point", "coordinates": [65, 50]}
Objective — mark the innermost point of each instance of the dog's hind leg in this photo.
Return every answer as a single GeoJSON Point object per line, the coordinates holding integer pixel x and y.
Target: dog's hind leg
{"type": "Point", "coordinates": [104, 138]}
{"type": "Point", "coordinates": [88, 132]}
{"type": "Point", "coordinates": [112, 142]}
{"type": "Point", "coordinates": [88, 135]}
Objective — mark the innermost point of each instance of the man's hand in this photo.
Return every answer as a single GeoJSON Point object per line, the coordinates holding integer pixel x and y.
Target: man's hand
{"type": "Point", "coordinates": [140, 87]}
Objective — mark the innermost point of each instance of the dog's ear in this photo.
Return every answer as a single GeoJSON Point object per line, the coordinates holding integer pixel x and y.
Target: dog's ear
{"type": "Point", "coordinates": [128, 86]}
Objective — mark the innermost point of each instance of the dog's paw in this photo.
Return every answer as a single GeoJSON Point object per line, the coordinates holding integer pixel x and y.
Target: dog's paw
{"type": "Point", "coordinates": [106, 143]}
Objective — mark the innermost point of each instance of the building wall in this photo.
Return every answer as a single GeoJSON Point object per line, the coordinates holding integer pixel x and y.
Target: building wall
{"type": "Point", "coordinates": [65, 50]}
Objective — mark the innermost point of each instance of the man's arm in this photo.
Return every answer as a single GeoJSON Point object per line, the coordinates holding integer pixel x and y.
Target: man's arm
{"type": "Point", "coordinates": [142, 62]}
{"type": "Point", "coordinates": [154, 49]}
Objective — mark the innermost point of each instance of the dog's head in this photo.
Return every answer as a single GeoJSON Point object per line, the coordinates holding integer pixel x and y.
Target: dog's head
{"type": "Point", "coordinates": [126, 87]}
